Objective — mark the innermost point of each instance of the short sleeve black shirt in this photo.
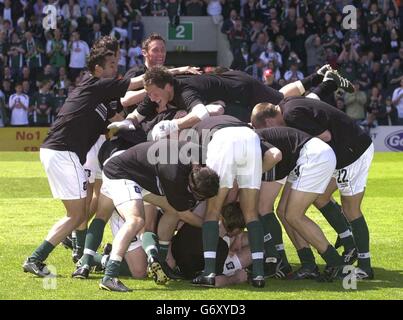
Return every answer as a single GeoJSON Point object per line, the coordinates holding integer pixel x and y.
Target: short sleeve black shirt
{"type": "Point", "coordinates": [289, 141]}
{"type": "Point", "coordinates": [168, 177]}
{"type": "Point", "coordinates": [83, 116]}
{"type": "Point", "coordinates": [349, 141]}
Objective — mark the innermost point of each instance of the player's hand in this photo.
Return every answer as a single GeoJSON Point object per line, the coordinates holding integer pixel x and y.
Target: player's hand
{"type": "Point", "coordinates": [121, 125]}
{"type": "Point", "coordinates": [163, 129]}
{"type": "Point", "coordinates": [189, 70]}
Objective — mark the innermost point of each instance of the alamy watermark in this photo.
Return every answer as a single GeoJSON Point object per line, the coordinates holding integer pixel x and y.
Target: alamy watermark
{"type": "Point", "coordinates": [50, 282]}
{"type": "Point", "coordinates": [49, 22]}
{"type": "Point", "coordinates": [350, 19]}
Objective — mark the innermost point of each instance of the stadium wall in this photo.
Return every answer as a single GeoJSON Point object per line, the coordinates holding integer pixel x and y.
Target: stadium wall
{"type": "Point", "coordinates": [386, 138]}
{"type": "Point", "coordinates": [193, 41]}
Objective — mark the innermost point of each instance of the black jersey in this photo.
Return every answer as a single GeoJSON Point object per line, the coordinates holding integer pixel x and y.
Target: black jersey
{"type": "Point", "coordinates": [289, 141]}
{"type": "Point", "coordinates": [125, 139]}
{"type": "Point", "coordinates": [83, 116]}
{"type": "Point", "coordinates": [230, 87]}
{"type": "Point", "coordinates": [313, 116]}
{"type": "Point", "coordinates": [167, 176]}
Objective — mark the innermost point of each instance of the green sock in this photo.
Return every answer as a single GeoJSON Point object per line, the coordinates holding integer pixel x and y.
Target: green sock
{"type": "Point", "coordinates": [361, 236]}
{"type": "Point", "coordinates": [80, 234]}
{"type": "Point", "coordinates": [150, 244]}
{"type": "Point", "coordinates": [256, 244]}
{"type": "Point", "coordinates": [97, 260]}
{"type": "Point", "coordinates": [112, 268]}
{"type": "Point", "coordinates": [332, 258]}
{"type": "Point", "coordinates": [93, 239]}
{"type": "Point", "coordinates": [210, 243]}
{"type": "Point", "coordinates": [163, 247]}
{"type": "Point", "coordinates": [124, 270]}
{"type": "Point", "coordinates": [332, 213]}
{"type": "Point", "coordinates": [306, 257]}
{"type": "Point", "coordinates": [42, 252]}
{"type": "Point", "coordinates": [74, 240]}
{"type": "Point", "coordinates": [271, 225]}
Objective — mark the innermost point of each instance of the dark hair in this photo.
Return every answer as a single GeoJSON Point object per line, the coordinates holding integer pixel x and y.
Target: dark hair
{"type": "Point", "coordinates": [232, 217]}
{"type": "Point", "coordinates": [107, 42]}
{"type": "Point", "coordinates": [204, 181]}
{"type": "Point", "coordinates": [102, 48]}
{"type": "Point", "coordinates": [153, 36]}
{"type": "Point", "coordinates": [158, 76]}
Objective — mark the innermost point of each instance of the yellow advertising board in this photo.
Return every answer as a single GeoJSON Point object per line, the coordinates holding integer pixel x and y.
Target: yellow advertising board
{"type": "Point", "coordinates": [22, 139]}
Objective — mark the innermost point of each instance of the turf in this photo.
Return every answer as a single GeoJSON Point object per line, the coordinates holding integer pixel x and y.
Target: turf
{"type": "Point", "coordinates": [27, 211]}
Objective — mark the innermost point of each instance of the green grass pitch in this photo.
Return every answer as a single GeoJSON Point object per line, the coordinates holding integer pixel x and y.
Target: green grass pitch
{"type": "Point", "coordinates": [27, 212]}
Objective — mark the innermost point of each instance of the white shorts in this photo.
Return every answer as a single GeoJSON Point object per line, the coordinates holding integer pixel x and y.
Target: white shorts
{"type": "Point", "coordinates": [116, 222]}
{"type": "Point", "coordinates": [315, 167]}
{"type": "Point", "coordinates": [235, 154]}
{"type": "Point", "coordinates": [91, 165]}
{"type": "Point", "coordinates": [66, 176]}
{"type": "Point", "coordinates": [352, 179]}
{"type": "Point", "coordinates": [120, 190]}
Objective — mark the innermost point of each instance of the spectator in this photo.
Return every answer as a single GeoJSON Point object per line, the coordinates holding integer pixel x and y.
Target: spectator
{"type": "Point", "coordinates": [158, 8]}
{"type": "Point", "coordinates": [122, 63]}
{"type": "Point", "coordinates": [269, 79]}
{"type": "Point", "coordinates": [355, 103]}
{"type": "Point", "coordinates": [33, 53]}
{"type": "Point", "coordinates": [174, 12]}
{"type": "Point", "coordinates": [395, 74]}
{"type": "Point", "coordinates": [242, 58]}
{"type": "Point", "coordinates": [214, 9]}
{"type": "Point", "coordinates": [237, 37]}
{"type": "Point", "coordinates": [194, 7]}
{"type": "Point", "coordinates": [16, 53]}
{"type": "Point", "coordinates": [315, 53]}
{"type": "Point", "coordinates": [71, 10]}
{"type": "Point", "coordinates": [56, 49]}
{"type": "Point", "coordinates": [43, 105]}
{"type": "Point", "coordinates": [58, 100]}
{"type": "Point", "coordinates": [256, 69]}
{"type": "Point", "coordinates": [128, 11]}
{"type": "Point", "coordinates": [95, 33]}
{"type": "Point", "coordinates": [293, 74]}
{"type": "Point", "coordinates": [4, 120]}
{"type": "Point", "coordinates": [271, 55]}
{"type": "Point", "coordinates": [259, 45]}
{"type": "Point", "coordinates": [391, 112]}
{"type": "Point", "coordinates": [78, 55]}
{"type": "Point", "coordinates": [118, 31]}
{"type": "Point", "coordinates": [340, 104]}
{"type": "Point", "coordinates": [18, 104]}
{"type": "Point", "coordinates": [229, 23]}
{"type": "Point", "coordinates": [135, 55]}
{"type": "Point", "coordinates": [374, 109]}
{"type": "Point", "coordinates": [250, 11]}
{"type": "Point", "coordinates": [397, 101]}
{"type": "Point", "coordinates": [137, 29]}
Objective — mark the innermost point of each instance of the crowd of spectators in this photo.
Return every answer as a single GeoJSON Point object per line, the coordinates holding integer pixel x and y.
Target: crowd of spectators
{"type": "Point", "coordinates": [274, 41]}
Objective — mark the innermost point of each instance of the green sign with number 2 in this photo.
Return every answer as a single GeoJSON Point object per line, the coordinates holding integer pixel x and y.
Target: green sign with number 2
{"type": "Point", "coordinates": [184, 31]}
